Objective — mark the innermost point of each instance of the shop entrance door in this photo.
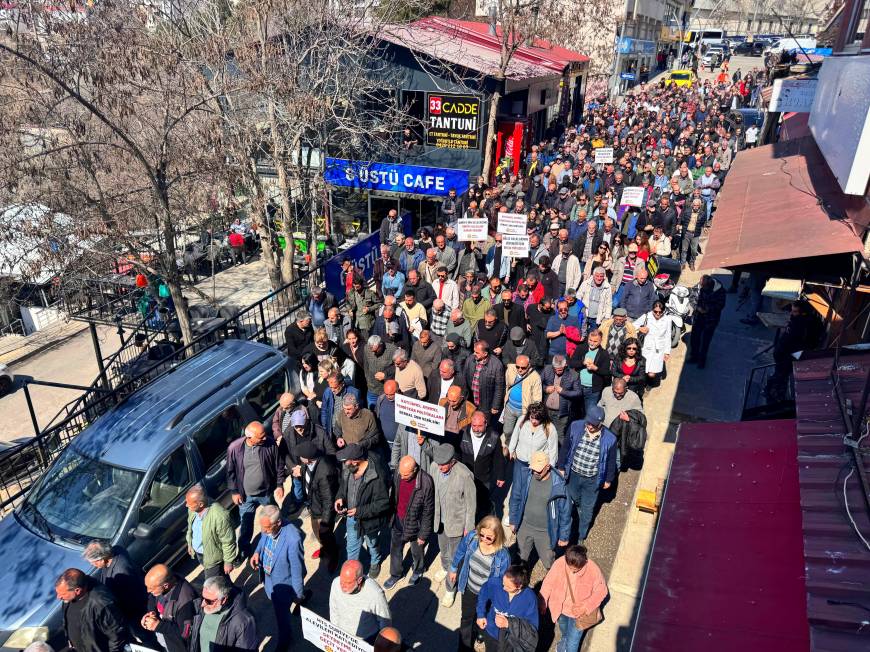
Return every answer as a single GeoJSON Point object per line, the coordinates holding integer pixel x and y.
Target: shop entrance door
{"type": "Point", "coordinates": [379, 206]}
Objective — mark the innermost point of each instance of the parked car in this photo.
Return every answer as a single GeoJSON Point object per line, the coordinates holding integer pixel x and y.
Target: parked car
{"type": "Point", "coordinates": [789, 44]}
{"type": "Point", "coordinates": [123, 479]}
{"type": "Point", "coordinates": [680, 78]}
{"type": "Point", "coordinates": [750, 49]}
{"type": "Point", "coordinates": [712, 58]}
{"type": "Point", "coordinates": [7, 379]}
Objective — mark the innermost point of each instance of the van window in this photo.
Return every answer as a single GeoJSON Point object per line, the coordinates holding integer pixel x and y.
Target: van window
{"type": "Point", "coordinates": [264, 397]}
{"type": "Point", "coordinates": [171, 479]}
{"type": "Point", "coordinates": [213, 438]}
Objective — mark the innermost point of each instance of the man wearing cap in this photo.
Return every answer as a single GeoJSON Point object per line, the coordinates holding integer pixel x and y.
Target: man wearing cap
{"type": "Point", "coordinates": [565, 203]}
{"type": "Point", "coordinates": [364, 500]}
{"type": "Point", "coordinates": [540, 511]}
{"type": "Point", "coordinates": [254, 472]}
{"type": "Point", "coordinates": [301, 430]}
{"type": "Point", "coordinates": [298, 336]}
{"type": "Point", "coordinates": [455, 509]}
{"type": "Point", "coordinates": [518, 344]}
{"type": "Point", "coordinates": [319, 475]}
{"type": "Point", "coordinates": [455, 351]}
{"type": "Point", "coordinates": [561, 388]}
{"type": "Point", "coordinates": [588, 464]}
{"type": "Point", "coordinates": [414, 494]}
{"type": "Point", "coordinates": [319, 304]}
{"type": "Point", "coordinates": [615, 331]}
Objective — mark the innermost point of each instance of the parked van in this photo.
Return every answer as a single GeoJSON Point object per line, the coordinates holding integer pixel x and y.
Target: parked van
{"type": "Point", "coordinates": [789, 44]}
{"type": "Point", "coordinates": [123, 479]}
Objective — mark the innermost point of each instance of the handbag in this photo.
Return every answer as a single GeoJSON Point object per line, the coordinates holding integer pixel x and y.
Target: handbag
{"type": "Point", "coordinates": [587, 621]}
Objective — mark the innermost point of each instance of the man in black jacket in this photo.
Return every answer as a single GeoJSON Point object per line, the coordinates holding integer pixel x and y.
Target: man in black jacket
{"type": "Point", "coordinates": [319, 474]}
{"type": "Point", "coordinates": [236, 630]}
{"type": "Point", "coordinates": [424, 293]}
{"type": "Point", "coordinates": [593, 365]}
{"type": "Point", "coordinates": [364, 500]}
{"type": "Point", "coordinates": [92, 621]}
{"type": "Point", "coordinates": [509, 313]}
{"type": "Point", "coordinates": [442, 379]}
{"type": "Point", "coordinates": [171, 608]}
{"type": "Point", "coordinates": [708, 311]}
{"type": "Point", "coordinates": [484, 377]}
{"type": "Point", "coordinates": [481, 451]}
{"type": "Point", "coordinates": [518, 344]}
{"type": "Point", "coordinates": [414, 494]}
{"type": "Point", "coordinates": [120, 575]}
{"type": "Point", "coordinates": [298, 336]}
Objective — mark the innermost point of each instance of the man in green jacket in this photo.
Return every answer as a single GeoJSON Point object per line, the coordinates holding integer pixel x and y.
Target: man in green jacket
{"type": "Point", "coordinates": [211, 538]}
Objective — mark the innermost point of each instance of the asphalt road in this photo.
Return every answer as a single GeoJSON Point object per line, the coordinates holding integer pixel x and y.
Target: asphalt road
{"type": "Point", "coordinates": [71, 361]}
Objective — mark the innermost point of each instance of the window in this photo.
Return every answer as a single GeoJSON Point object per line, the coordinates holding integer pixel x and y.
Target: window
{"type": "Point", "coordinates": [213, 438]}
{"type": "Point", "coordinates": [264, 398]}
{"type": "Point", "coordinates": [171, 479]}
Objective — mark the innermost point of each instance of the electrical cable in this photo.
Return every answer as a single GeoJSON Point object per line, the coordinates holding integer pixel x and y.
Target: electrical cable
{"type": "Point", "coordinates": [846, 497]}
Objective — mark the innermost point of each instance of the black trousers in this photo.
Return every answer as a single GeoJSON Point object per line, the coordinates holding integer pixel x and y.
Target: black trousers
{"type": "Point", "coordinates": [700, 338]}
{"type": "Point", "coordinates": [397, 552]}
{"type": "Point", "coordinates": [467, 621]}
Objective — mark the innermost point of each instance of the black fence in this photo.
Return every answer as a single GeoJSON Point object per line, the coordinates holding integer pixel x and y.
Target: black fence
{"type": "Point", "coordinates": [132, 367]}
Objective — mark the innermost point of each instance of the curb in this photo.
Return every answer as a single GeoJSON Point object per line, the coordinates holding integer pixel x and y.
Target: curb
{"type": "Point", "coordinates": [43, 347]}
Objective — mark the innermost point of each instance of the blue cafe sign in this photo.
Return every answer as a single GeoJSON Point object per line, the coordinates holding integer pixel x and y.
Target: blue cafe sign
{"type": "Point", "coordinates": [394, 177]}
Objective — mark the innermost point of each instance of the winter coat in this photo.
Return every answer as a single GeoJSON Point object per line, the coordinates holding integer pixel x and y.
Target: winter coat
{"type": "Point", "coordinates": [322, 489]}
{"type": "Point", "coordinates": [630, 434]}
{"type": "Point", "coordinates": [531, 390]}
{"type": "Point", "coordinates": [573, 273]}
{"type": "Point", "coordinates": [218, 536]}
{"type": "Point", "coordinates": [607, 324]}
{"type": "Point", "coordinates": [605, 305]}
{"type": "Point", "coordinates": [126, 582]}
{"type": "Point", "coordinates": [267, 452]}
{"type": "Point", "coordinates": [509, 353]}
{"type": "Point", "coordinates": [357, 301]}
{"type": "Point", "coordinates": [399, 447]}
{"type": "Point", "coordinates": [101, 627]}
{"type": "Point", "coordinates": [570, 388]}
{"type": "Point", "coordinates": [638, 299]}
{"type": "Point", "coordinates": [490, 464]}
{"type": "Point", "coordinates": [491, 383]}
{"type": "Point", "coordinates": [176, 621]}
{"type": "Point", "coordinates": [329, 405]}
{"type": "Point", "coordinates": [237, 631]}
{"type": "Point", "coordinates": [460, 493]}
{"type": "Point", "coordinates": [373, 505]}
{"type": "Point", "coordinates": [421, 508]}
{"type": "Point", "coordinates": [559, 507]}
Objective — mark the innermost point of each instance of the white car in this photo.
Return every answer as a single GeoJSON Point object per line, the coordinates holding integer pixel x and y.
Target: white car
{"type": "Point", "coordinates": [7, 379]}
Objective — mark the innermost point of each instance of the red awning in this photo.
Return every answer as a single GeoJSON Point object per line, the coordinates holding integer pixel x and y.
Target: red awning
{"type": "Point", "coordinates": [769, 208]}
{"type": "Point", "coordinates": [727, 568]}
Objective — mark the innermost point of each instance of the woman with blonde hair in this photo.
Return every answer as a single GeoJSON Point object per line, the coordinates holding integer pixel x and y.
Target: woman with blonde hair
{"type": "Point", "coordinates": [480, 556]}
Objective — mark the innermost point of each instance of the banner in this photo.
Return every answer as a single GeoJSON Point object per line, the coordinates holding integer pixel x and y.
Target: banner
{"type": "Point", "coordinates": [420, 414]}
{"type": "Point", "coordinates": [394, 177]}
{"type": "Point", "coordinates": [516, 246]}
{"type": "Point", "coordinates": [512, 223]}
{"type": "Point", "coordinates": [362, 256]}
{"type": "Point", "coordinates": [604, 155]}
{"type": "Point", "coordinates": [472, 229]}
{"type": "Point", "coordinates": [453, 121]}
{"type": "Point", "coordinates": [326, 636]}
{"type": "Point", "coordinates": [632, 196]}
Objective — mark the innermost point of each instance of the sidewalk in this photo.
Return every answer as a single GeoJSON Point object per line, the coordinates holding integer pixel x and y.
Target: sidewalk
{"type": "Point", "coordinates": [687, 394]}
{"type": "Point", "coordinates": [15, 349]}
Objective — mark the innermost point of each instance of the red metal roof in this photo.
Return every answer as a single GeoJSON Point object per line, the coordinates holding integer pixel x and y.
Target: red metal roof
{"type": "Point", "coordinates": [769, 208]}
{"type": "Point", "coordinates": [837, 564]}
{"type": "Point", "coordinates": [727, 569]}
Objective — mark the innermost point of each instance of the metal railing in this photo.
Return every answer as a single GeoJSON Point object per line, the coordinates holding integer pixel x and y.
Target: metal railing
{"type": "Point", "coordinates": [15, 327]}
{"type": "Point", "coordinates": [767, 395]}
{"type": "Point", "coordinates": [263, 321]}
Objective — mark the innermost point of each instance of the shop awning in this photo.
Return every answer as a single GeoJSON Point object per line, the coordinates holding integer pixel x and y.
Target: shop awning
{"type": "Point", "coordinates": [727, 567]}
{"type": "Point", "coordinates": [780, 202]}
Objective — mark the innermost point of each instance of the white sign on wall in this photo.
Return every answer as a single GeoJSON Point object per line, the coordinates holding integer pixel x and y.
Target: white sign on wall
{"type": "Point", "coordinates": [472, 229]}
{"type": "Point", "coordinates": [793, 95]}
{"type": "Point", "coordinates": [512, 223]}
{"type": "Point", "coordinates": [420, 415]}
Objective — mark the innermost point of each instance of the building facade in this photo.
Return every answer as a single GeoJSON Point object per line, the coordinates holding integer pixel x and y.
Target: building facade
{"type": "Point", "coordinates": [744, 17]}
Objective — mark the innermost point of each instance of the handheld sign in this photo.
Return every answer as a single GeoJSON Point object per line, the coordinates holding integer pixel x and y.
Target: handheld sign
{"type": "Point", "coordinates": [420, 415]}
{"type": "Point", "coordinates": [472, 229]}
{"type": "Point", "coordinates": [516, 246]}
{"type": "Point", "coordinates": [632, 196]}
{"type": "Point", "coordinates": [604, 155]}
{"type": "Point", "coordinates": [512, 223]}
{"type": "Point", "coordinates": [325, 636]}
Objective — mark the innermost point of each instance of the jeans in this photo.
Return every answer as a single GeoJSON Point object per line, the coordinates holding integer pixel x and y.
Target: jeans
{"type": "Point", "coordinates": [708, 204]}
{"type": "Point", "coordinates": [584, 495]}
{"type": "Point", "coordinates": [689, 248]}
{"type": "Point", "coordinates": [371, 399]}
{"type": "Point", "coordinates": [247, 511]}
{"type": "Point", "coordinates": [571, 636]}
{"type": "Point", "coordinates": [354, 541]}
{"type": "Point", "coordinates": [590, 399]}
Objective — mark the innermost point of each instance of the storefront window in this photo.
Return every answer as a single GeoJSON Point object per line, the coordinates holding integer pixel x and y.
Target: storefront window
{"type": "Point", "coordinates": [350, 212]}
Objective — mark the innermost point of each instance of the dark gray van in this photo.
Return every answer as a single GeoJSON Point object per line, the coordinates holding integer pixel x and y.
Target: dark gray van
{"type": "Point", "coordinates": [124, 478]}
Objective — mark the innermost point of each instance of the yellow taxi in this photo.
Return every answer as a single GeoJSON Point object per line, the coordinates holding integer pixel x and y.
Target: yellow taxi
{"type": "Point", "coordinates": [680, 78]}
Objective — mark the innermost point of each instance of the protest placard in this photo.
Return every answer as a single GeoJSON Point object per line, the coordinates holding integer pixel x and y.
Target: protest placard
{"type": "Point", "coordinates": [512, 223]}
{"type": "Point", "coordinates": [632, 196]}
{"type": "Point", "coordinates": [472, 229]}
{"type": "Point", "coordinates": [604, 155]}
{"type": "Point", "coordinates": [516, 246]}
{"type": "Point", "coordinates": [420, 415]}
{"type": "Point", "coordinates": [326, 636]}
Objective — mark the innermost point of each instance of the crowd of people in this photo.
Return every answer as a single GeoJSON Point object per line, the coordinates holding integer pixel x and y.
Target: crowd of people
{"type": "Point", "coordinates": [541, 365]}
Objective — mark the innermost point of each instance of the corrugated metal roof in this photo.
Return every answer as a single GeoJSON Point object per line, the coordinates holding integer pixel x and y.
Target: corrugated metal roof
{"type": "Point", "coordinates": [769, 208]}
{"type": "Point", "coordinates": [837, 563]}
{"type": "Point", "coordinates": [727, 569]}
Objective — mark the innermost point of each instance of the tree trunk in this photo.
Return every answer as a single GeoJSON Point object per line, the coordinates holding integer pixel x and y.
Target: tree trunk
{"type": "Point", "coordinates": [288, 272]}
{"type": "Point", "coordinates": [260, 218]}
{"type": "Point", "coordinates": [490, 135]}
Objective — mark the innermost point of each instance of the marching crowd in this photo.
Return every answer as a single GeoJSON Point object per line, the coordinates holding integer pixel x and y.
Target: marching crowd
{"type": "Point", "coordinates": [541, 365]}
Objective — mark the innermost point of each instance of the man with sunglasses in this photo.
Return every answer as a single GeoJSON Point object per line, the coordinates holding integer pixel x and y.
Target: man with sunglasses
{"type": "Point", "coordinates": [223, 621]}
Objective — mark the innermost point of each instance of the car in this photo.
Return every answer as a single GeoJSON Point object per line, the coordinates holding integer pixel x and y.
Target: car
{"type": "Point", "coordinates": [712, 58]}
{"type": "Point", "coordinates": [123, 479]}
{"type": "Point", "coordinates": [7, 379]}
{"type": "Point", "coordinates": [680, 78]}
{"type": "Point", "coordinates": [750, 49]}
